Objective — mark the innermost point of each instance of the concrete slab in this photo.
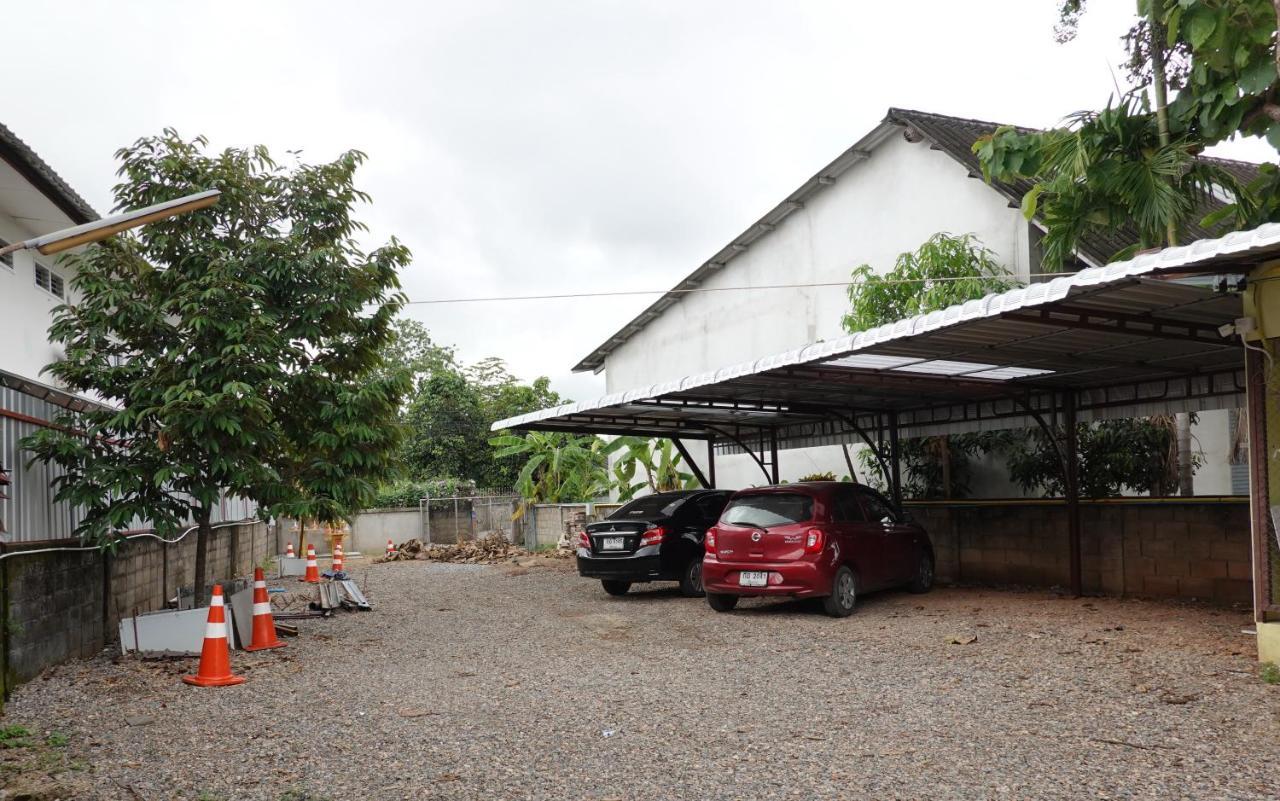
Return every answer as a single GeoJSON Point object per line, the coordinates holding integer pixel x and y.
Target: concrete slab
{"type": "Point", "coordinates": [170, 632]}
{"type": "Point", "coordinates": [242, 614]}
{"type": "Point", "coordinates": [292, 566]}
{"type": "Point", "coordinates": [167, 632]}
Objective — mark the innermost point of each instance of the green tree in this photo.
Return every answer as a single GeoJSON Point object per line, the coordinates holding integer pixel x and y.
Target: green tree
{"type": "Point", "coordinates": [411, 348]}
{"type": "Point", "coordinates": [239, 346]}
{"type": "Point", "coordinates": [449, 416]}
{"type": "Point", "coordinates": [661, 463]}
{"type": "Point", "coordinates": [945, 270]}
{"type": "Point", "coordinates": [1106, 171]}
{"type": "Point", "coordinates": [1116, 456]}
{"type": "Point", "coordinates": [942, 272]}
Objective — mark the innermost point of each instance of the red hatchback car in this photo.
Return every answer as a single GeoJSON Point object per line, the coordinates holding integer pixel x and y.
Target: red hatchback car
{"type": "Point", "coordinates": [829, 540]}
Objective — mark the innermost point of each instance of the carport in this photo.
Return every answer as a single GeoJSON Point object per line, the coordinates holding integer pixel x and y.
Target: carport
{"type": "Point", "coordinates": [1133, 338]}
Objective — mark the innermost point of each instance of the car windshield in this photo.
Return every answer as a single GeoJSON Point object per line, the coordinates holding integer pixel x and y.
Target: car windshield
{"type": "Point", "coordinates": [648, 507]}
{"type": "Point", "coordinates": [771, 509]}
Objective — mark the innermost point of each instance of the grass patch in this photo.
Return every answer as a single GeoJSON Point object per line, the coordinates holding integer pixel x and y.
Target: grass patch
{"type": "Point", "coordinates": [302, 795]}
{"type": "Point", "coordinates": [14, 737]}
{"type": "Point", "coordinates": [1270, 673]}
{"type": "Point", "coordinates": [57, 739]}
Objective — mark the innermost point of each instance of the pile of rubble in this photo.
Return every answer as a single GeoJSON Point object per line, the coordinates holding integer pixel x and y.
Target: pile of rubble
{"type": "Point", "coordinates": [483, 551]}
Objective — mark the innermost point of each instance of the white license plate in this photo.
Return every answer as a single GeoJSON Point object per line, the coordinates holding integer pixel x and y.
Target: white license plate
{"type": "Point", "coordinates": [753, 578]}
{"type": "Point", "coordinates": [611, 544]}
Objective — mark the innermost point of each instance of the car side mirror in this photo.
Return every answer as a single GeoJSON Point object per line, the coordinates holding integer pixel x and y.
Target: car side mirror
{"type": "Point", "coordinates": [887, 520]}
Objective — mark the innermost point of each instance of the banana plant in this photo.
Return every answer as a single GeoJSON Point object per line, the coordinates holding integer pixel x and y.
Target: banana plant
{"type": "Point", "coordinates": [560, 468]}
{"type": "Point", "coordinates": [661, 463]}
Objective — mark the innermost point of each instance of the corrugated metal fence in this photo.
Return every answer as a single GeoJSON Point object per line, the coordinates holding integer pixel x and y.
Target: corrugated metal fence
{"type": "Point", "coordinates": [29, 512]}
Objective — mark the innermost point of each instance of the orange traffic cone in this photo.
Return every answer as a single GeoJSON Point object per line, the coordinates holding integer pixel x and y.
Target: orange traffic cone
{"type": "Point", "coordinates": [215, 656]}
{"type": "Point", "coordinates": [289, 551]}
{"type": "Point", "coordinates": [264, 626]}
{"type": "Point", "coordinates": [391, 549]}
{"type": "Point", "coordinates": [313, 570]}
{"type": "Point", "coordinates": [337, 557]}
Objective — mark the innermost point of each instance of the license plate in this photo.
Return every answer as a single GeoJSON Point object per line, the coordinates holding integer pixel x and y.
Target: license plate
{"type": "Point", "coordinates": [753, 578]}
{"type": "Point", "coordinates": [611, 544]}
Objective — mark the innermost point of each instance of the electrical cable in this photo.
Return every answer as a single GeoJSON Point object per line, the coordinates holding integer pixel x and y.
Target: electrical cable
{"type": "Point", "coordinates": [140, 534]}
{"type": "Point", "coordinates": [691, 290]}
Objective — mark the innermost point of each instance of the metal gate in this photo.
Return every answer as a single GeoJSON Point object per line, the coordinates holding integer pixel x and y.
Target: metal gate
{"type": "Point", "coordinates": [459, 518]}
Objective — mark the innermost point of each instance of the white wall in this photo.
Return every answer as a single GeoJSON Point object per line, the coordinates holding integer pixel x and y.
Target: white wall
{"type": "Point", "coordinates": [26, 309]}
{"type": "Point", "coordinates": [883, 206]}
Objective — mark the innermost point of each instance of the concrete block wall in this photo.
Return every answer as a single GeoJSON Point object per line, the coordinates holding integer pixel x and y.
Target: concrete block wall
{"type": "Point", "coordinates": [1166, 549]}
{"type": "Point", "coordinates": [66, 604]}
{"type": "Point", "coordinates": [54, 603]}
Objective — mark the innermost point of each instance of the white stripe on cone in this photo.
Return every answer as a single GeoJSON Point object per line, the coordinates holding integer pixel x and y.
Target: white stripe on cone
{"type": "Point", "coordinates": [259, 585]}
{"type": "Point", "coordinates": [215, 631]}
{"type": "Point", "coordinates": [261, 609]}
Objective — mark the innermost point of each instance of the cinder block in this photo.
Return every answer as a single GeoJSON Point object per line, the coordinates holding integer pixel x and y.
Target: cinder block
{"type": "Point", "coordinates": [1235, 550]}
{"type": "Point", "coordinates": [1208, 569]}
{"type": "Point", "coordinates": [1172, 567]}
{"type": "Point", "coordinates": [1240, 570]}
{"type": "Point", "coordinates": [1232, 591]}
{"type": "Point", "coordinates": [1196, 587]}
{"type": "Point", "coordinates": [1161, 587]}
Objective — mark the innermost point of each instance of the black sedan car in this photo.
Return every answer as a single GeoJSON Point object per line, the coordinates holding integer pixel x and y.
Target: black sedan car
{"type": "Point", "coordinates": [654, 538]}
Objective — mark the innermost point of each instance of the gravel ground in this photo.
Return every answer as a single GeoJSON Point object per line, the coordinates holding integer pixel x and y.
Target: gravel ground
{"type": "Point", "coordinates": [511, 683]}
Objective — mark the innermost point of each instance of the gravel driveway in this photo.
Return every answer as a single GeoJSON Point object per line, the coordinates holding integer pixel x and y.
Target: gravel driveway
{"type": "Point", "coordinates": [513, 683]}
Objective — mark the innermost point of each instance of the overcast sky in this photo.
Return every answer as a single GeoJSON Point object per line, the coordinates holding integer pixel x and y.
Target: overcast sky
{"type": "Point", "coordinates": [529, 147]}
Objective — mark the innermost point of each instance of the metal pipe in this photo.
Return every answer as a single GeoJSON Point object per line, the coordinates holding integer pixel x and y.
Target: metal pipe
{"type": "Point", "coordinates": [711, 462]}
{"type": "Point", "coordinates": [773, 454]}
{"type": "Point", "coordinates": [895, 459]}
{"type": "Point", "coordinates": [688, 459]}
{"type": "Point", "coordinates": [1072, 481]}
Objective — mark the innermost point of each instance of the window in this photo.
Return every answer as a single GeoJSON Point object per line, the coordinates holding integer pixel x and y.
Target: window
{"type": "Point", "coordinates": [847, 509]}
{"type": "Point", "coordinates": [710, 506]}
{"type": "Point", "coordinates": [769, 509]}
{"type": "Point", "coordinates": [660, 505]}
{"type": "Point", "coordinates": [878, 508]}
{"type": "Point", "coordinates": [48, 280]}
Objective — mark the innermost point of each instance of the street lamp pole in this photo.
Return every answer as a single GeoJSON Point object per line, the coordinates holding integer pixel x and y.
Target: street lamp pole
{"type": "Point", "coordinates": [98, 230]}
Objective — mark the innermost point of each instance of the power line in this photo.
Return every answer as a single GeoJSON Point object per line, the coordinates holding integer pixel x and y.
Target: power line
{"type": "Point", "coordinates": [691, 290]}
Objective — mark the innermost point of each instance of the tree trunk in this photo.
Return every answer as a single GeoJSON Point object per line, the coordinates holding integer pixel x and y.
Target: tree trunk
{"type": "Point", "coordinates": [1159, 88]}
{"type": "Point", "coordinates": [1183, 422]}
{"type": "Point", "coordinates": [203, 532]}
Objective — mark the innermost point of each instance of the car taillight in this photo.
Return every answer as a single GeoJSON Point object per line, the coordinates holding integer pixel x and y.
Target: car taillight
{"type": "Point", "coordinates": [653, 536]}
{"type": "Point", "coordinates": [814, 541]}
{"type": "Point", "coordinates": [583, 540]}
{"type": "Point", "coordinates": [710, 542]}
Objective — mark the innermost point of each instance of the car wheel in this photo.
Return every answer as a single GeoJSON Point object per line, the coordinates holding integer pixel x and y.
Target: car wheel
{"type": "Point", "coordinates": [614, 587]}
{"type": "Point", "coordinates": [691, 579]}
{"type": "Point", "coordinates": [721, 603]}
{"type": "Point", "coordinates": [844, 594]}
{"type": "Point", "coordinates": [922, 581]}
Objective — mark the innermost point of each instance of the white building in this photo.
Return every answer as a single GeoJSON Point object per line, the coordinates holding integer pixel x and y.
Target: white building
{"type": "Point", "coordinates": [914, 175]}
{"type": "Point", "coordinates": [34, 201]}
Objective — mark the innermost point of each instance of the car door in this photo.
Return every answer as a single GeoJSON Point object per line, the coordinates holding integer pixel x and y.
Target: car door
{"type": "Point", "coordinates": [897, 545]}
{"type": "Point", "coordinates": [861, 540]}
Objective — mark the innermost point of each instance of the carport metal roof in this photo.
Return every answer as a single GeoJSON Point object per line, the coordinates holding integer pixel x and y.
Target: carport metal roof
{"type": "Point", "coordinates": [1122, 340]}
